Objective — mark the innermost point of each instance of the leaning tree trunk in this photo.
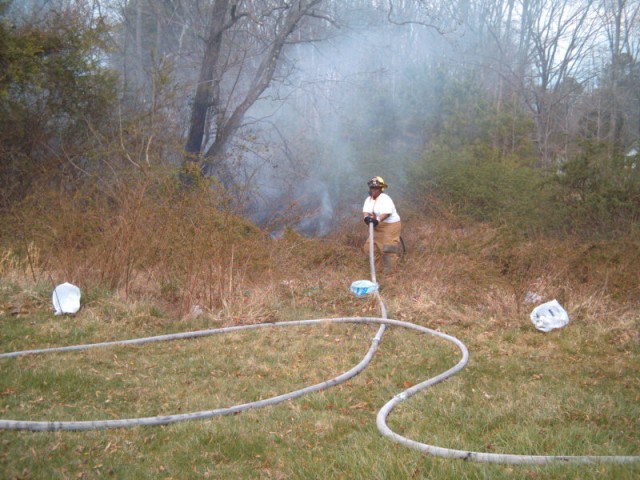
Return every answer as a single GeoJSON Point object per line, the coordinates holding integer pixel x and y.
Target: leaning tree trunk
{"type": "Point", "coordinates": [206, 108]}
{"type": "Point", "coordinates": [207, 91]}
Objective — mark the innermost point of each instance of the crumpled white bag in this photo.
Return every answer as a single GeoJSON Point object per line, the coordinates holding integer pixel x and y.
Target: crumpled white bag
{"type": "Point", "coordinates": [66, 299]}
{"type": "Point", "coordinates": [549, 315]}
{"type": "Point", "coordinates": [363, 287]}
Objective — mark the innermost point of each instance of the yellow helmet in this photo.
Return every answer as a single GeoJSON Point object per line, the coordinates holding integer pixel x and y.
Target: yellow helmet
{"type": "Point", "coordinates": [377, 182]}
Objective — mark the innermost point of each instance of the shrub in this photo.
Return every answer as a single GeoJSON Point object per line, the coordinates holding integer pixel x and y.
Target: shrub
{"type": "Point", "coordinates": [600, 193]}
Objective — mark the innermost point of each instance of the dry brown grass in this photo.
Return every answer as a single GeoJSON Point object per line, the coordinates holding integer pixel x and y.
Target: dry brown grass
{"type": "Point", "coordinates": [186, 252]}
{"type": "Point", "coordinates": [479, 269]}
{"type": "Point", "coordinates": [147, 239]}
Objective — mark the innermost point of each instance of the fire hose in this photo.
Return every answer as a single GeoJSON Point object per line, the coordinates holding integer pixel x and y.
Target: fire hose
{"type": "Point", "coordinates": [381, 418]}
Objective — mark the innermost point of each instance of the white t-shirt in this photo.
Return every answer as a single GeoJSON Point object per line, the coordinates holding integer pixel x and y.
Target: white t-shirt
{"type": "Point", "coordinates": [382, 204]}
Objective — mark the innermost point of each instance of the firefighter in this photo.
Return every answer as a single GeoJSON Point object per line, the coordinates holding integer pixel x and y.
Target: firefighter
{"type": "Point", "coordinates": [380, 210]}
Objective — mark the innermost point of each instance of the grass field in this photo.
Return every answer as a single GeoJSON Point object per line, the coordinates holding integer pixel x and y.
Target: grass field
{"type": "Point", "coordinates": [574, 391]}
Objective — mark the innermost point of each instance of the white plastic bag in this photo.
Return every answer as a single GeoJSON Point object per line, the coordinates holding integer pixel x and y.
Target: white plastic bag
{"type": "Point", "coordinates": [66, 299]}
{"type": "Point", "coordinates": [549, 315]}
{"type": "Point", "coordinates": [363, 287]}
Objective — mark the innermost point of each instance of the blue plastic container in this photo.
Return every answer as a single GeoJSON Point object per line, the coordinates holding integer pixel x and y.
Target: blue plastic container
{"type": "Point", "coordinates": [363, 287]}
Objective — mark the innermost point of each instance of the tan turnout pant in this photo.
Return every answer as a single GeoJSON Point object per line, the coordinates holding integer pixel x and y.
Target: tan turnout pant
{"type": "Point", "coordinates": [386, 240]}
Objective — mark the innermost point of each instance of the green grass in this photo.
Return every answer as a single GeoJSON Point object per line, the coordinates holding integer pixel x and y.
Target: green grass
{"type": "Point", "coordinates": [522, 392]}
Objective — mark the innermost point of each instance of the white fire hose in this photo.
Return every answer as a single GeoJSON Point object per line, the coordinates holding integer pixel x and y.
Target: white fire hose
{"type": "Point", "coordinates": [381, 416]}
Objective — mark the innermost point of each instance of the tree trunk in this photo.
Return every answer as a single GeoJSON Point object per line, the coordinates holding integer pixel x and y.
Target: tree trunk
{"type": "Point", "coordinates": [207, 107]}
{"type": "Point", "coordinates": [261, 81]}
{"type": "Point", "coordinates": [207, 91]}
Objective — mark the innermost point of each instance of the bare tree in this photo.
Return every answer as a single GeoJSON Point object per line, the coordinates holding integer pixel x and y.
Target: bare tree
{"type": "Point", "coordinates": [620, 19]}
{"type": "Point", "coordinates": [561, 33]}
{"type": "Point", "coordinates": [243, 52]}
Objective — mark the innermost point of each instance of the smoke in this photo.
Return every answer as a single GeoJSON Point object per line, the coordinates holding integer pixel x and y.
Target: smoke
{"type": "Point", "coordinates": [351, 108]}
{"type": "Point", "coordinates": [320, 212]}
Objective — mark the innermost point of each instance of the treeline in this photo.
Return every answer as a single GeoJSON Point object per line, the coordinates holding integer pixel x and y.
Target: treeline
{"type": "Point", "coordinates": [522, 113]}
{"type": "Point", "coordinates": [484, 164]}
